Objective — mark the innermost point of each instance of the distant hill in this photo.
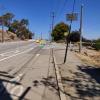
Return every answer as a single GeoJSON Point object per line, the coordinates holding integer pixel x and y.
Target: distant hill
{"type": "Point", "coordinates": [8, 36]}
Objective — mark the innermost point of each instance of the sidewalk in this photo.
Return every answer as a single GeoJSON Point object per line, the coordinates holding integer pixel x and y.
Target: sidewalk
{"type": "Point", "coordinates": [80, 80]}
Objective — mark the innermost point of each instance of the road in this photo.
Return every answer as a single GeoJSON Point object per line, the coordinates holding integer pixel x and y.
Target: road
{"type": "Point", "coordinates": [27, 72]}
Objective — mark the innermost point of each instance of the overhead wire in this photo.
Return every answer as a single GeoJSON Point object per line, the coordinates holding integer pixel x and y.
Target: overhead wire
{"type": "Point", "coordinates": [73, 8]}
{"type": "Point", "coordinates": [58, 11]}
{"type": "Point", "coordinates": [59, 8]}
{"type": "Point", "coordinates": [63, 6]}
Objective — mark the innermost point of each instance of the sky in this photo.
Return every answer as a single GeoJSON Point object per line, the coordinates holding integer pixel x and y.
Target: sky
{"type": "Point", "coordinates": [38, 12]}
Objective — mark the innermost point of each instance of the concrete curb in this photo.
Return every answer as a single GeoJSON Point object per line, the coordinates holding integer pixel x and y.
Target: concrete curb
{"type": "Point", "coordinates": [60, 86]}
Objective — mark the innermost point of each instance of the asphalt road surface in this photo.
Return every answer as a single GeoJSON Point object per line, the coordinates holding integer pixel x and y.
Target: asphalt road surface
{"type": "Point", "coordinates": [27, 72]}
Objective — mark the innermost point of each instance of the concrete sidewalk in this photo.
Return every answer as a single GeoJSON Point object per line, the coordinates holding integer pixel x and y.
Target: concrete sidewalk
{"type": "Point", "coordinates": [80, 81]}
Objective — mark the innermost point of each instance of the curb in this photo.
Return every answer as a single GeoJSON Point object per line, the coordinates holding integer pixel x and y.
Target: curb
{"type": "Point", "coordinates": [58, 76]}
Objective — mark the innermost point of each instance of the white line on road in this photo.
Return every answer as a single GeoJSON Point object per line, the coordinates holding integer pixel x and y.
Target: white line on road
{"type": "Point", "coordinates": [13, 89]}
{"type": "Point", "coordinates": [17, 54]}
{"type": "Point", "coordinates": [14, 51]}
{"type": "Point", "coordinates": [16, 92]}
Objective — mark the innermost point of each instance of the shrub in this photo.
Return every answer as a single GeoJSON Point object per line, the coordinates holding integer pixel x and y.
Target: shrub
{"type": "Point", "coordinates": [96, 45]}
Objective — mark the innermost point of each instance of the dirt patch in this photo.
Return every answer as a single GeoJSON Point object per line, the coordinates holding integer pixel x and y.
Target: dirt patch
{"type": "Point", "coordinates": [8, 36]}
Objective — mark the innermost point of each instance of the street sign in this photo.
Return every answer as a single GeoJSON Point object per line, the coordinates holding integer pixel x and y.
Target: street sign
{"type": "Point", "coordinates": [72, 17]}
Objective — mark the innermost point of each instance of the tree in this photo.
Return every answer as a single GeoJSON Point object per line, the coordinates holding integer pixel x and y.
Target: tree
{"type": "Point", "coordinates": [19, 27]}
{"type": "Point", "coordinates": [59, 30]}
{"type": "Point", "coordinates": [24, 22]}
{"type": "Point", "coordinates": [97, 40]}
{"type": "Point", "coordinates": [7, 18]}
{"type": "Point", "coordinates": [14, 27]}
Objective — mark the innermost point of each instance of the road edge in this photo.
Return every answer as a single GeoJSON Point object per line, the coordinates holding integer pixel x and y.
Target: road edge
{"type": "Point", "coordinates": [59, 82]}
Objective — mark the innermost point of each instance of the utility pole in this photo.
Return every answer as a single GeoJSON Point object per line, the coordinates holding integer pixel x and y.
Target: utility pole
{"type": "Point", "coordinates": [52, 25]}
{"type": "Point", "coordinates": [53, 16]}
{"type": "Point", "coordinates": [2, 30]}
{"type": "Point", "coordinates": [2, 23]}
{"type": "Point", "coordinates": [80, 30]}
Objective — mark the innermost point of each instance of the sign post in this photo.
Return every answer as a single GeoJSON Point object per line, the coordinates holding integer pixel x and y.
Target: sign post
{"type": "Point", "coordinates": [70, 17]}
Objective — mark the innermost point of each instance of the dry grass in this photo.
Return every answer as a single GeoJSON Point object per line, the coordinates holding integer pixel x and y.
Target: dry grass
{"type": "Point", "coordinates": [90, 56]}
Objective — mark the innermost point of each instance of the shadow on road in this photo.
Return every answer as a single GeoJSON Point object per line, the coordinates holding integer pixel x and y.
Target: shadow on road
{"type": "Point", "coordinates": [4, 95]}
{"type": "Point", "coordinates": [49, 83]}
{"type": "Point", "coordinates": [86, 82]}
{"type": "Point", "coordinates": [94, 73]}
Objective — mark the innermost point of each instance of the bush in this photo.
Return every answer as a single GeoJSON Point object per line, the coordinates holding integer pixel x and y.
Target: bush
{"type": "Point", "coordinates": [87, 44]}
{"type": "Point", "coordinates": [96, 45]}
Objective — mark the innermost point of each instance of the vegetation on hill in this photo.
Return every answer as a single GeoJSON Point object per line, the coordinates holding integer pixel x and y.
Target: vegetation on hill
{"type": "Point", "coordinates": [19, 27]}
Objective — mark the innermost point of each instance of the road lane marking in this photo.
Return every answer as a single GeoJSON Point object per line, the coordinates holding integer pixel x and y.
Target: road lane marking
{"type": "Point", "coordinates": [16, 92]}
{"type": "Point", "coordinates": [16, 50]}
{"type": "Point", "coordinates": [15, 80]}
{"type": "Point", "coordinates": [17, 54]}
{"type": "Point", "coordinates": [37, 55]}
{"type": "Point", "coordinates": [14, 89]}
{"type": "Point", "coordinates": [2, 54]}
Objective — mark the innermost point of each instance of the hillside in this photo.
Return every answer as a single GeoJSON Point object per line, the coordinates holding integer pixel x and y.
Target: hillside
{"type": "Point", "coordinates": [8, 36]}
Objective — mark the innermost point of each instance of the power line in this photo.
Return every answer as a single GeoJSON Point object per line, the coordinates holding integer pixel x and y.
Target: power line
{"type": "Point", "coordinates": [73, 8]}
{"type": "Point", "coordinates": [63, 6]}
{"type": "Point", "coordinates": [58, 9]}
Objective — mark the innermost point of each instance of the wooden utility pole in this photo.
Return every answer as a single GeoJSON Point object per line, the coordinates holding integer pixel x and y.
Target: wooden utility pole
{"type": "Point", "coordinates": [53, 16]}
{"type": "Point", "coordinates": [2, 30]}
{"type": "Point", "coordinates": [52, 24]}
{"type": "Point", "coordinates": [80, 30]}
{"type": "Point", "coordinates": [2, 22]}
